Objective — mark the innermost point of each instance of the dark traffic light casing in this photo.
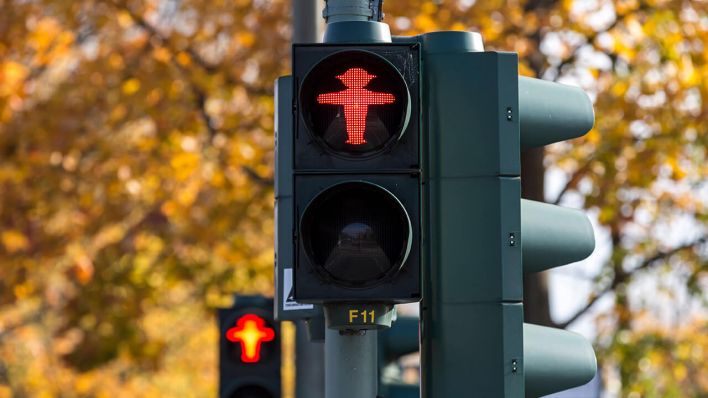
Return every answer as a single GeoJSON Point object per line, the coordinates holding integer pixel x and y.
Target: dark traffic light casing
{"type": "Point", "coordinates": [356, 173]}
{"type": "Point", "coordinates": [249, 349]}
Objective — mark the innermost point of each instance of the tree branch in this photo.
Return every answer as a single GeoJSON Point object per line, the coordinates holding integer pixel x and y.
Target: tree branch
{"type": "Point", "coordinates": [32, 317]}
{"type": "Point", "coordinates": [592, 37]}
{"type": "Point", "coordinates": [574, 180]}
{"type": "Point", "coordinates": [164, 41]}
{"type": "Point", "coordinates": [257, 178]}
{"type": "Point", "coordinates": [199, 94]}
{"type": "Point", "coordinates": [648, 263]}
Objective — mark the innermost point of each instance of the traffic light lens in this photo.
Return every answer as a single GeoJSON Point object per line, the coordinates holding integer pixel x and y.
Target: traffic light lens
{"type": "Point", "coordinates": [355, 103]}
{"type": "Point", "coordinates": [357, 234]}
{"type": "Point", "coordinates": [356, 100]}
{"type": "Point", "coordinates": [250, 331]}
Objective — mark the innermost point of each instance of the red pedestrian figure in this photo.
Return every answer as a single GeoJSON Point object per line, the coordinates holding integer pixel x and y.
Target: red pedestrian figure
{"type": "Point", "coordinates": [356, 100]}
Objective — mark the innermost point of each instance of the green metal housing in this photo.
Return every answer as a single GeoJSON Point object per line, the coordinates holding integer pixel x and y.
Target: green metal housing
{"type": "Point", "coordinates": [553, 236]}
{"type": "Point", "coordinates": [552, 112]}
{"type": "Point", "coordinates": [472, 312]}
{"type": "Point", "coordinates": [481, 237]}
{"type": "Point", "coordinates": [555, 360]}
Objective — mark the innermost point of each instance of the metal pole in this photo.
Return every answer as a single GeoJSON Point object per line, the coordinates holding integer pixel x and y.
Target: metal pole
{"type": "Point", "coordinates": [350, 364]}
{"type": "Point", "coordinates": [353, 10]}
{"type": "Point", "coordinates": [307, 27]}
{"type": "Point", "coordinates": [309, 355]}
{"type": "Point", "coordinates": [309, 364]}
{"type": "Point", "coordinates": [351, 354]}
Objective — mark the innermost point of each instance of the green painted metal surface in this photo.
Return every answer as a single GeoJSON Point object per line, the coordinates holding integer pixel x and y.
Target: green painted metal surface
{"type": "Point", "coordinates": [478, 114]}
{"type": "Point", "coordinates": [470, 131]}
{"type": "Point", "coordinates": [555, 360]}
{"type": "Point", "coordinates": [552, 112]}
{"type": "Point", "coordinates": [472, 313]}
{"type": "Point", "coordinates": [401, 339]}
{"type": "Point", "coordinates": [452, 42]}
{"type": "Point", "coordinates": [399, 390]}
{"type": "Point", "coordinates": [553, 236]}
{"type": "Point", "coordinates": [365, 32]}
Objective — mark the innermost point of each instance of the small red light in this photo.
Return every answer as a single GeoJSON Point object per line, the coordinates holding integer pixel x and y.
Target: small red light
{"type": "Point", "coordinates": [356, 100]}
{"type": "Point", "coordinates": [250, 331]}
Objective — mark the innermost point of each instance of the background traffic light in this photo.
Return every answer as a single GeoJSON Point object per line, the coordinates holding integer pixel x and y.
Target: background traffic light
{"type": "Point", "coordinates": [249, 349]}
{"type": "Point", "coordinates": [356, 173]}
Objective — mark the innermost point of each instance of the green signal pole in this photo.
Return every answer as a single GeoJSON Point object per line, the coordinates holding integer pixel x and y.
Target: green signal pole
{"type": "Point", "coordinates": [309, 355]}
{"type": "Point", "coordinates": [351, 351]}
{"type": "Point", "coordinates": [350, 364]}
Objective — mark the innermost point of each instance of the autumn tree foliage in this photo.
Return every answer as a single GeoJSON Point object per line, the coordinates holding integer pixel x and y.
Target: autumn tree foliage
{"type": "Point", "coordinates": [137, 165]}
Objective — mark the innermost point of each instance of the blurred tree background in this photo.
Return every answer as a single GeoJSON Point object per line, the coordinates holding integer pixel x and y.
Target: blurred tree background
{"type": "Point", "coordinates": [136, 142]}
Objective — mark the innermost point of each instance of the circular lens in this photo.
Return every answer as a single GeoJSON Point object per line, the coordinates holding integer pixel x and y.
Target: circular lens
{"type": "Point", "coordinates": [356, 234]}
{"type": "Point", "coordinates": [249, 331]}
{"type": "Point", "coordinates": [355, 103]}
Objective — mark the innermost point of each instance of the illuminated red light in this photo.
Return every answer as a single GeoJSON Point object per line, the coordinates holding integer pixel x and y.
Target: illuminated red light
{"type": "Point", "coordinates": [250, 331]}
{"type": "Point", "coordinates": [356, 100]}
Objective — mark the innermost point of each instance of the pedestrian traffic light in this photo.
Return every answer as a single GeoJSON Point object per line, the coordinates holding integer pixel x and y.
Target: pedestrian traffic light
{"type": "Point", "coordinates": [356, 173]}
{"type": "Point", "coordinates": [249, 349]}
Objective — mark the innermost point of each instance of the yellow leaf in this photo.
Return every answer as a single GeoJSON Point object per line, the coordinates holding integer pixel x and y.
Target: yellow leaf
{"type": "Point", "coordinates": [162, 54]}
{"type": "Point", "coordinates": [606, 214]}
{"type": "Point", "coordinates": [12, 75]}
{"type": "Point", "coordinates": [46, 30]}
{"type": "Point", "coordinates": [23, 290]}
{"type": "Point", "coordinates": [131, 86]}
{"type": "Point", "coordinates": [83, 383]}
{"type": "Point", "coordinates": [5, 392]}
{"type": "Point", "coordinates": [184, 59]}
{"type": "Point", "coordinates": [688, 74]}
{"type": "Point", "coordinates": [124, 19]}
{"type": "Point", "coordinates": [184, 165]}
{"type": "Point", "coordinates": [116, 61]}
{"type": "Point", "coordinates": [678, 171]}
{"type": "Point", "coordinates": [169, 208]}
{"type": "Point", "coordinates": [247, 39]}
{"type": "Point", "coordinates": [118, 112]}
{"type": "Point", "coordinates": [218, 180]}
{"type": "Point", "coordinates": [680, 372]}
{"type": "Point", "coordinates": [424, 23]}
{"type": "Point", "coordinates": [525, 70]}
{"type": "Point", "coordinates": [108, 236]}
{"type": "Point", "coordinates": [187, 194]}
{"type": "Point", "coordinates": [458, 26]}
{"type": "Point", "coordinates": [593, 136]}
{"type": "Point", "coordinates": [14, 241]}
{"type": "Point", "coordinates": [153, 97]}
{"type": "Point", "coordinates": [619, 88]}
{"type": "Point", "coordinates": [428, 8]}
{"type": "Point", "coordinates": [83, 269]}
